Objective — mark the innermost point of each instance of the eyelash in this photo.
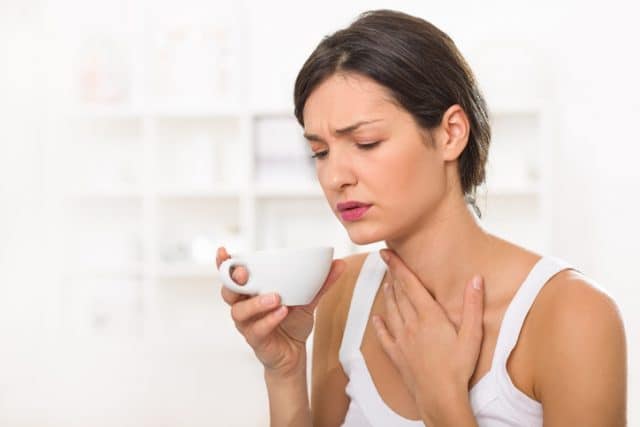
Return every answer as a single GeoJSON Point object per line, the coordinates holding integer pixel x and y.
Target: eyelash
{"type": "Point", "coordinates": [322, 154]}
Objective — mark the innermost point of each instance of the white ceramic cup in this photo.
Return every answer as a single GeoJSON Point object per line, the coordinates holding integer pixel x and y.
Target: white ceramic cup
{"type": "Point", "coordinates": [295, 274]}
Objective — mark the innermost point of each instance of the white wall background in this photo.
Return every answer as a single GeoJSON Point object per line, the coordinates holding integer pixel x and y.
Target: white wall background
{"type": "Point", "coordinates": [592, 56]}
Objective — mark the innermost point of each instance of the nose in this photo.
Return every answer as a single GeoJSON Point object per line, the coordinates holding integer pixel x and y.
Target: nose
{"type": "Point", "coordinates": [336, 171]}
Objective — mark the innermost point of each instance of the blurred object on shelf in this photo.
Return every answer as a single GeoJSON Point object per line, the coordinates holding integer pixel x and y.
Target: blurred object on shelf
{"type": "Point", "coordinates": [119, 166]}
{"type": "Point", "coordinates": [189, 164]}
{"type": "Point", "coordinates": [176, 251]}
{"type": "Point", "coordinates": [231, 237]}
{"type": "Point", "coordinates": [102, 71]}
{"type": "Point", "coordinates": [202, 165]}
{"type": "Point", "coordinates": [195, 64]}
{"type": "Point", "coordinates": [284, 170]}
{"type": "Point", "coordinates": [203, 249]}
{"type": "Point", "coordinates": [102, 155]}
{"type": "Point", "coordinates": [103, 306]}
{"type": "Point", "coordinates": [223, 39]}
{"type": "Point", "coordinates": [200, 248]}
{"type": "Point", "coordinates": [282, 154]}
{"type": "Point", "coordinates": [300, 223]}
{"type": "Point", "coordinates": [231, 172]}
{"type": "Point", "coordinates": [115, 305]}
{"type": "Point", "coordinates": [105, 250]}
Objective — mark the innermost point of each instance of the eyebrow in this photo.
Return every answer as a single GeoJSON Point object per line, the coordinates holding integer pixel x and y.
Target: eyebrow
{"type": "Point", "coordinates": [344, 131]}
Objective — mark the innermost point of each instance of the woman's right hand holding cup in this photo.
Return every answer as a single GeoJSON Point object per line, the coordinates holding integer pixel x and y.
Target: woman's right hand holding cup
{"type": "Point", "coordinates": [277, 333]}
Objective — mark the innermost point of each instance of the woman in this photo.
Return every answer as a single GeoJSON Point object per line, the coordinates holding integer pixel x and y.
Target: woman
{"type": "Point", "coordinates": [451, 326]}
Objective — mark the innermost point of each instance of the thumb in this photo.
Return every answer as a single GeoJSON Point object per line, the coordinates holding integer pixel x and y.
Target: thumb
{"type": "Point", "coordinates": [337, 268]}
{"type": "Point", "coordinates": [471, 330]}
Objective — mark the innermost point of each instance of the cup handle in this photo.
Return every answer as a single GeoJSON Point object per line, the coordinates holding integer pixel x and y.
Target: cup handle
{"type": "Point", "coordinates": [228, 282]}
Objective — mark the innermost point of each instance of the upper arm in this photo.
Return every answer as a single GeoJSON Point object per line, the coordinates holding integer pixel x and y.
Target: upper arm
{"type": "Point", "coordinates": [581, 372]}
{"type": "Point", "coordinates": [329, 402]}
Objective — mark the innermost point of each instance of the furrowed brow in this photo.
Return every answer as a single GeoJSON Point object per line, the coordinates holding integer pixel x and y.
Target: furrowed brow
{"type": "Point", "coordinates": [344, 131]}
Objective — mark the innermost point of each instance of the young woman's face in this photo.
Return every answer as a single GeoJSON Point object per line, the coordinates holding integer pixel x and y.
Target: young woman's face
{"type": "Point", "coordinates": [369, 150]}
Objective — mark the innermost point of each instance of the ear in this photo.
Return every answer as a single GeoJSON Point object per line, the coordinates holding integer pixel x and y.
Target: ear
{"type": "Point", "coordinates": [454, 130]}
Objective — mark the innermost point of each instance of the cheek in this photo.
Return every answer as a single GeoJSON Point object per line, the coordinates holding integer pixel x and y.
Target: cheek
{"type": "Point", "coordinates": [411, 181]}
{"type": "Point", "coordinates": [331, 194]}
{"type": "Point", "coordinates": [404, 170]}
{"type": "Point", "coordinates": [321, 174]}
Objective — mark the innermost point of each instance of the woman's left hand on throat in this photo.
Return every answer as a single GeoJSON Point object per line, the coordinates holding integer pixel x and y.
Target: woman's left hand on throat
{"type": "Point", "coordinates": [436, 361]}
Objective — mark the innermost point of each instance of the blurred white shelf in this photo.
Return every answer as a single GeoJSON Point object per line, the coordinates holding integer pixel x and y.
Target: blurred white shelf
{"type": "Point", "coordinates": [174, 134]}
{"type": "Point", "coordinates": [220, 192]}
{"type": "Point", "coordinates": [104, 271]}
{"type": "Point", "coordinates": [506, 191]}
{"type": "Point", "coordinates": [159, 111]}
{"type": "Point", "coordinates": [291, 191]}
{"type": "Point", "coordinates": [165, 270]}
{"type": "Point", "coordinates": [227, 111]}
{"type": "Point", "coordinates": [103, 194]}
{"type": "Point", "coordinates": [187, 269]}
{"type": "Point", "coordinates": [272, 111]}
{"type": "Point", "coordinates": [107, 112]}
{"type": "Point", "coordinates": [170, 111]}
{"type": "Point", "coordinates": [226, 192]}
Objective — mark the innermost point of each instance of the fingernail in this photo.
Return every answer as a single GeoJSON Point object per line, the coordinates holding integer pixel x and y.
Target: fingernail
{"type": "Point", "coordinates": [387, 287]}
{"type": "Point", "coordinates": [268, 299]}
{"type": "Point", "coordinates": [477, 283]}
{"type": "Point", "coordinates": [385, 255]}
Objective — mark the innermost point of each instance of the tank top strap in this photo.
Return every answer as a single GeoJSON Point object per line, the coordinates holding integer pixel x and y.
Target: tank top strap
{"type": "Point", "coordinates": [364, 293]}
{"type": "Point", "coordinates": [519, 307]}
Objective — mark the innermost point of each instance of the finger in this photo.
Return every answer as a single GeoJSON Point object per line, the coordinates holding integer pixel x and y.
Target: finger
{"type": "Point", "coordinates": [386, 339]}
{"type": "Point", "coordinates": [240, 275]}
{"type": "Point", "coordinates": [221, 255]}
{"type": "Point", "coordinates": [418, 295]}
{"type": "Point", "coordinates": [242, 311]}
{"type": "Point", "coordinates": [337, 268]}
{"type": "Point", "coordinates": [407, 309]}
{"type": "Point", "coordinates": [231, 297]}
{"type": "Point", "coordinates": [260, 329]}
{"type": "Point", "coordinates": [395, 323]}
{"type": "Point", "coordinates": [471, 330]}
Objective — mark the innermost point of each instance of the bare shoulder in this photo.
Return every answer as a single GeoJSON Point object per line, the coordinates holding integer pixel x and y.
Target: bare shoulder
{"type": "Point", "coordinates": [329, 401]}
{"type": "Point", "coordinates": [580, 353]}
{"type": "Point", "coordinates": [571, 294]}
{"type": "Point", "coordinates": [572, 299]}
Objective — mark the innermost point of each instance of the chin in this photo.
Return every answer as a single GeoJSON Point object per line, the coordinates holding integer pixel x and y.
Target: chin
{"type": "Point", "coordinates": [362, 237]}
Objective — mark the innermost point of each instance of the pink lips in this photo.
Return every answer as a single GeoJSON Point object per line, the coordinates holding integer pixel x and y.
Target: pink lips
{"type": "Point", "coordinates": [351, 210]}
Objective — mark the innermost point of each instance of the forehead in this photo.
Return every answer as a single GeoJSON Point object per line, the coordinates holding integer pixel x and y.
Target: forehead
{"type": "Point", "coordinates": [343, 99]}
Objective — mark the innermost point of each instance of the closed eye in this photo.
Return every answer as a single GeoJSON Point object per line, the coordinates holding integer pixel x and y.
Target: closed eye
{"type": "Point", "coordinates": [319, 155]}
{"type": "Point", "coordinates": [322, 154]}
{"type": "Point", "coordinates": [368, 146]}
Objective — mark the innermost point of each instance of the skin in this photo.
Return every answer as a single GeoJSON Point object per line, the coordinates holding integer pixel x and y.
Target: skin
{"type": "Point", "coordinates": [431, 336]}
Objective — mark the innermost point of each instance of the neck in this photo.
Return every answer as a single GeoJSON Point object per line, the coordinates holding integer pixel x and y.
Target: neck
{"type": "Point", "coordinates": [446, 251]}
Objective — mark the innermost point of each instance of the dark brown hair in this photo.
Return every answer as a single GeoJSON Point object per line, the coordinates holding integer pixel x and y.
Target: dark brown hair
{"type": "Point", "coordinates": [420, 66]}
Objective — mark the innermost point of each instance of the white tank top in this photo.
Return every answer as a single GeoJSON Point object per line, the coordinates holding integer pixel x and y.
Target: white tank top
{"type": "Point", "coordinates": [495, 401]}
